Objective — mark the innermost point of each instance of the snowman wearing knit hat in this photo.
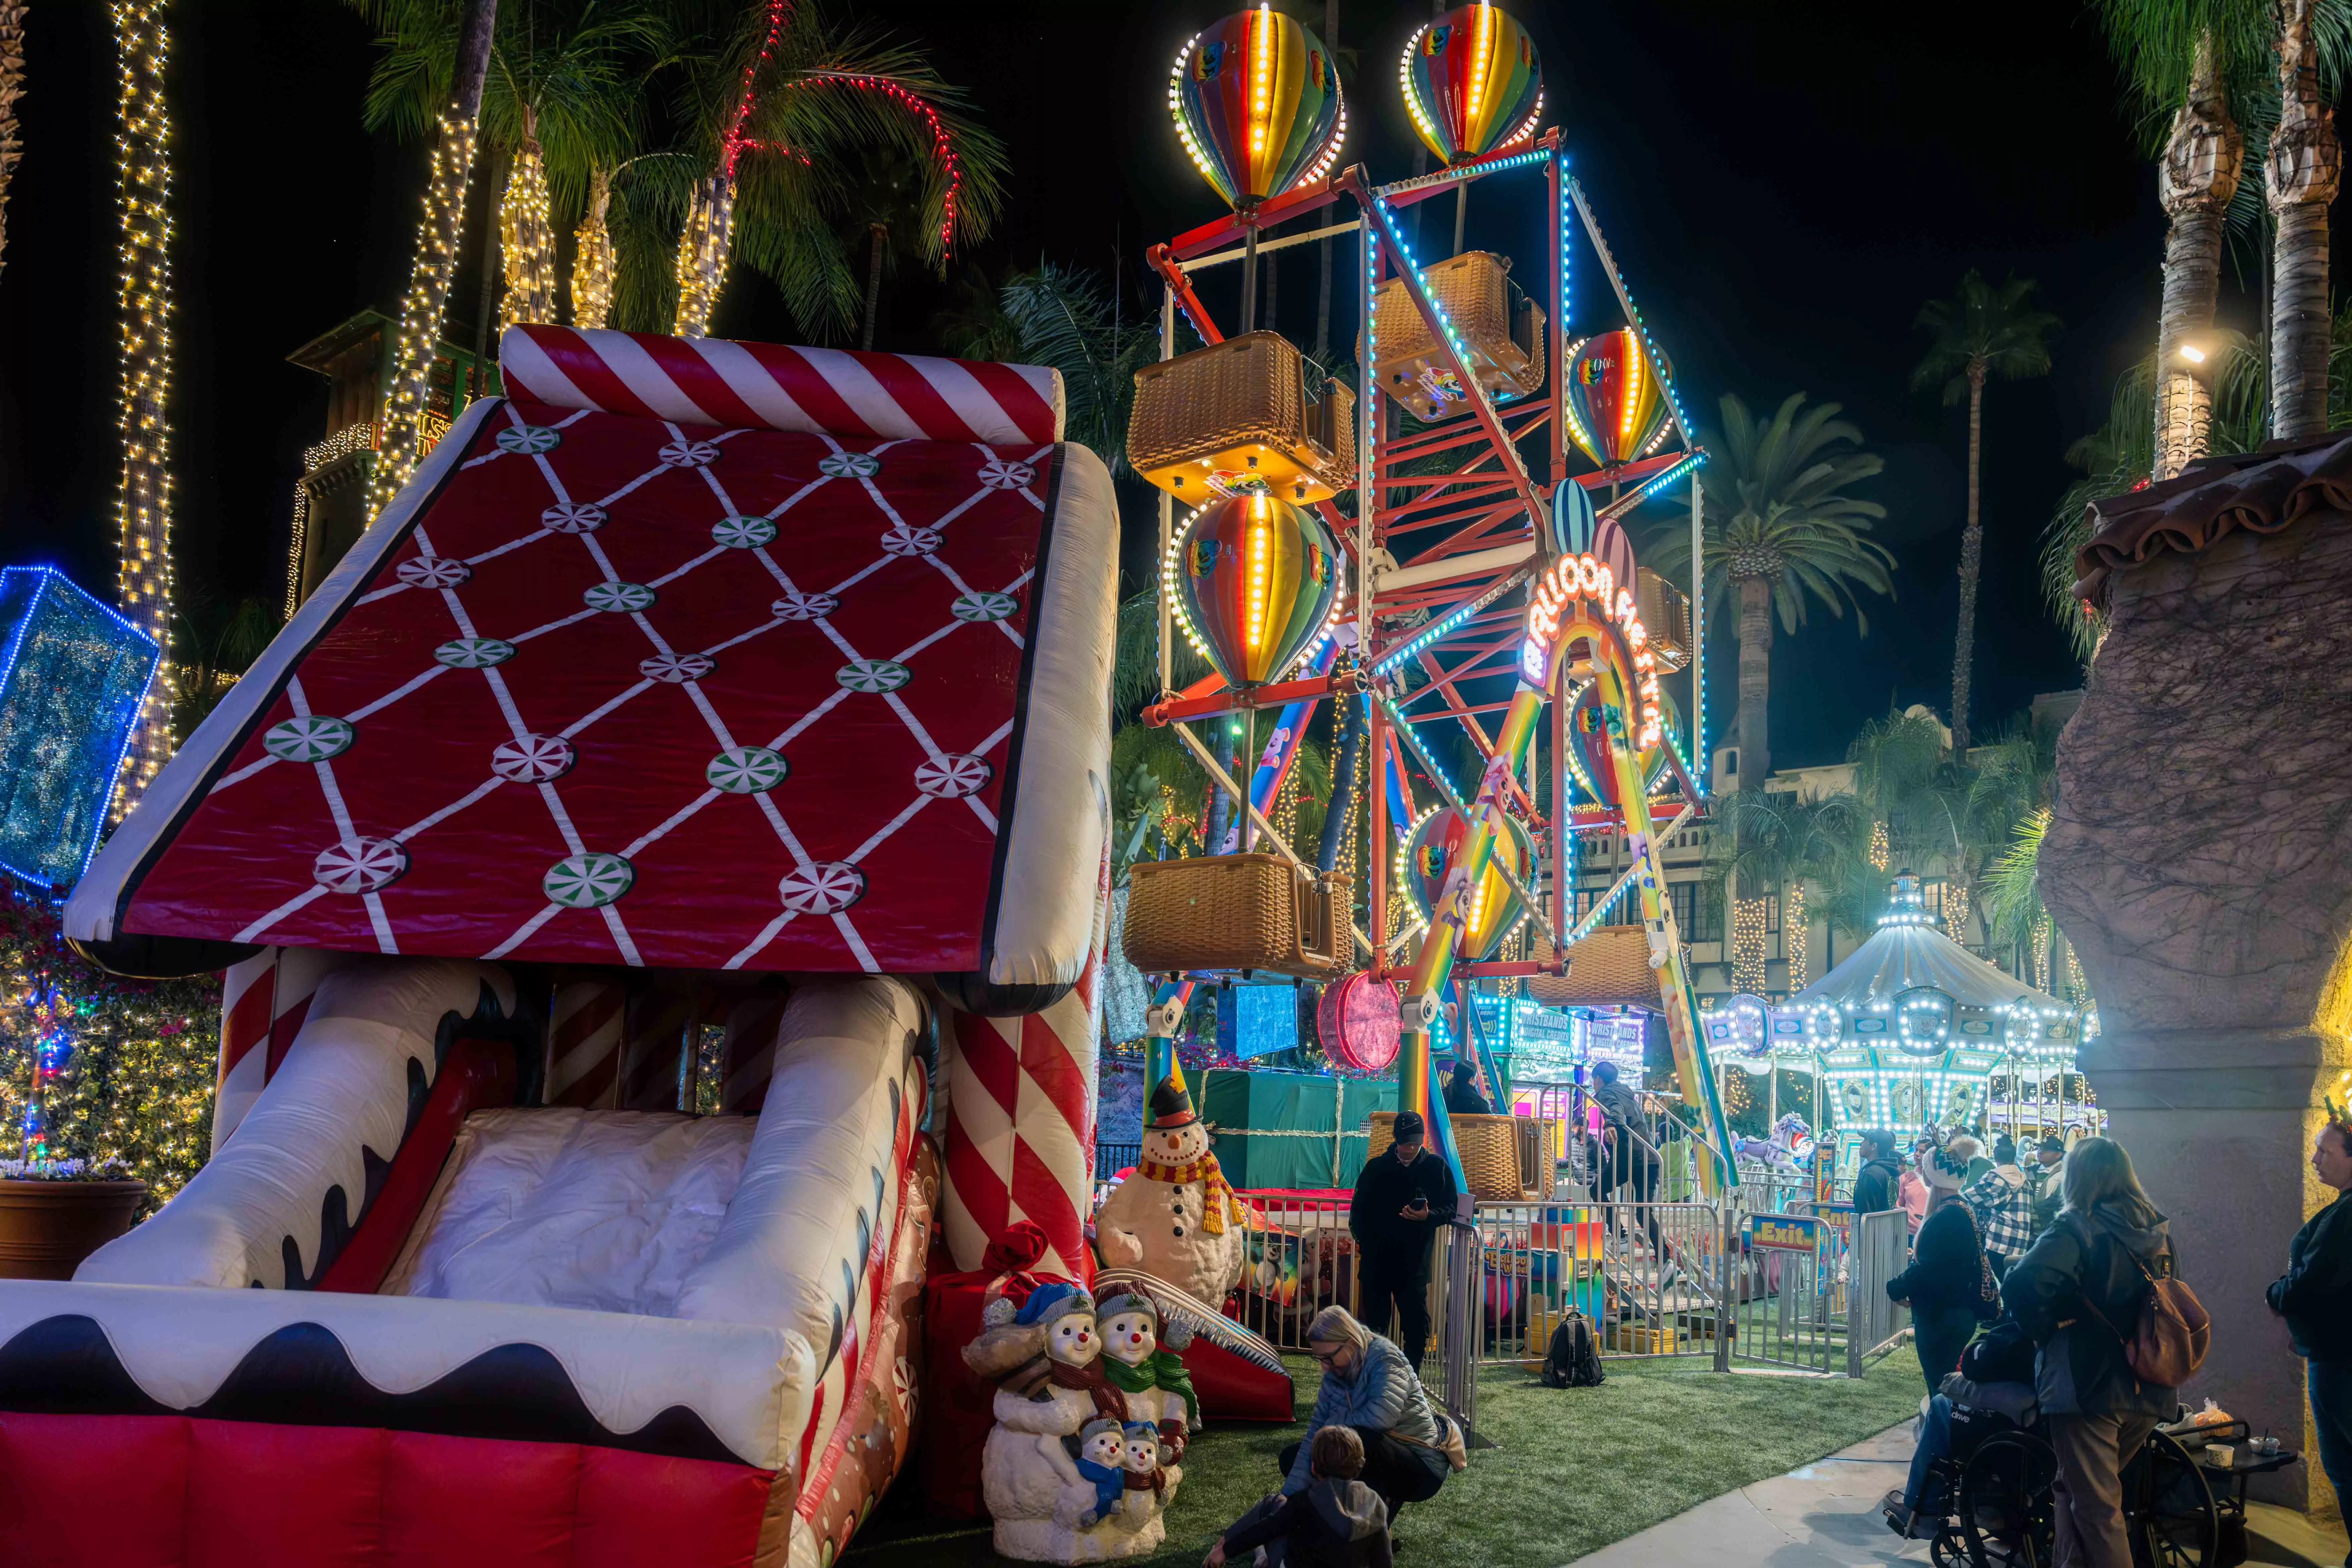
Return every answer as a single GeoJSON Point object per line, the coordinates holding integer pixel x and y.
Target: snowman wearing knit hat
{"type": "Point", "coordinates": [1045, 1358]}
{"type": "Point", "coordinates": [1175, 1218]}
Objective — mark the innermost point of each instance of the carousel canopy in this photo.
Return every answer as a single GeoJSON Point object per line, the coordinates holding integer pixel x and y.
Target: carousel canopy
{"type": "Point", "coordinates": [1912, 986]}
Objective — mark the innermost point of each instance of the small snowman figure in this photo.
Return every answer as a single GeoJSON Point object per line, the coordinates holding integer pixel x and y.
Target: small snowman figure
{"type": "Point", "coordinates": [1100, 1491]}
{"type": "Point", "coordinates": [1175, 1218]}
{"type": "Point", "coordinates": [1146, 1371]}
{"type": "Point", "coordinates": [1112, 1510]}
{"type": "Point", "coordinates": [1149, 1484]}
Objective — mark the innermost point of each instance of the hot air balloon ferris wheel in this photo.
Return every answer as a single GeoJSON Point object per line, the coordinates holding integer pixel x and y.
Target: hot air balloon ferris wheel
{"type": "Point", "coordinates": [1434, 544]}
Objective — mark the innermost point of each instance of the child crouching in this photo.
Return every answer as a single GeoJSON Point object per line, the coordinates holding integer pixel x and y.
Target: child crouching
{"type": "Point", "coordinates": [1336, 1522]}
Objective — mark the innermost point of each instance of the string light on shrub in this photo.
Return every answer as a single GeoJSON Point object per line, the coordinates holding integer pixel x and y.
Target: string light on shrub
{"type": "Point", "coordinates": [414, 351]}
{"type": "Point", "coordinates": [143, 188]}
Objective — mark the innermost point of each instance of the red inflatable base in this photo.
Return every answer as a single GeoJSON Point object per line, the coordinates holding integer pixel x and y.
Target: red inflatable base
{"type": "Point", "coordinates": [1233, 1388]}
{"type": "Point", "coordinates": [170, 1491]}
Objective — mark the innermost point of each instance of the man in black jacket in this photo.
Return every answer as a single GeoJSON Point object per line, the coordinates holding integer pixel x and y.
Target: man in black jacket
{"type": "Point", "coordinates": [2314, 1296]}
{"type": "Point", "coordinates": [1403, 1195]}
{"type": "Point", "coordinates": [1875, 1183]}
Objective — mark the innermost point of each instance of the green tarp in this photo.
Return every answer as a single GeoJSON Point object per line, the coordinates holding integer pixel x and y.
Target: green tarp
{"type": "Point", "coordinates": [1279, 1129]}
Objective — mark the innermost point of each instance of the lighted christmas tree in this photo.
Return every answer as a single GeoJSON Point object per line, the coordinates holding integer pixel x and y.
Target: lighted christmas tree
{"type": "Point", "coordinates": [97, 1067]}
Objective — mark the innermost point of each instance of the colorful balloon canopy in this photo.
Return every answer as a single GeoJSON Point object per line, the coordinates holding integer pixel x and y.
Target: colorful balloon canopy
{"type": "Point", "coordinates": [1257, 102]}
{"type": "Point", "coordinates": [1616, 405]}
{"type": "Point", "coordinates": [1252, 578]}
{"type": "Point", "coordinates": [1591, 766]}
{"type": "Point", "coordinates": [1494, 909]}
{"type": "Point", "coordinates": [1473, 82]}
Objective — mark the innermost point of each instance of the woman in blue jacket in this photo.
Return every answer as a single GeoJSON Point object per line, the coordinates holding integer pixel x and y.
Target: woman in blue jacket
{"type": "Point", "coordinates": [1368, 1384]}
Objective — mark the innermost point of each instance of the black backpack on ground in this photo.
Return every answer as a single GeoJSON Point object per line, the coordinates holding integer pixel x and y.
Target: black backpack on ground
{"type": "Point", "coordinates": [1573, 1358]}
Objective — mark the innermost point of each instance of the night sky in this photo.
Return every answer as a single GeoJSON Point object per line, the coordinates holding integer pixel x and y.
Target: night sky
{"type": "Point", "coordinates": [1784, 184]}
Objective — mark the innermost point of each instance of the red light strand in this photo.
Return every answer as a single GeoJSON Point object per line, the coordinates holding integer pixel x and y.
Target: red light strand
{"type": "Point", "coordinates": [732, 143]}
{"type": "Point", "coordinates": [942, 146]}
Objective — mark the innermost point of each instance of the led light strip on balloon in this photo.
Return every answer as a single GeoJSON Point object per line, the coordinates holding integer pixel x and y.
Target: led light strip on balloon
{"type": "Point", "coordinates": [1404, 881]}
{"type": "Point", "coordinates": [1574, 577]}
{"type": "Point", "coordinates": [1260, 113]}
{"type": "Point", "coordinates": [1182, 616]}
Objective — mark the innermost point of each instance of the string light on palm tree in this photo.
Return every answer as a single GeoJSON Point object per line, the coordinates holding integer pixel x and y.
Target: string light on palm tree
{"type": "Point", "coordinates": [12, 87]}
{"type": "Point", "coordinates": [593, 259]}
{"type": "Point", "coordinates": [1796, 937]}
{"type": "Point", "coordinates": [527, 236]}
{"type": "Point", "coordinates": [144, 308]}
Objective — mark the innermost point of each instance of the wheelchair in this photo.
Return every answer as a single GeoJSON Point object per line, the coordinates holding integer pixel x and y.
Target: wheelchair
{"type": "Point", "coordinates": [1998, 1481]}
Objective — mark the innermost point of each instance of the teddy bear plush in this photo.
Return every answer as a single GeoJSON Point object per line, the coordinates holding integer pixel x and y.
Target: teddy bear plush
{"type": "Point", "coordinates": [1175, 1218]}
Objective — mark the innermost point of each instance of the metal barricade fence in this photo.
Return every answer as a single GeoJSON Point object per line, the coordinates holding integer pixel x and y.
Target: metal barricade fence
{"type": "Point", "coordinates": [1646, 1275]}
{"type": "Point", "coordinates": [1790, 1293]}
{"type": "Point", "coordinates": [1110, 1159]}
{"type": "Point", "coordinates": [1875, 1325]}
{"type": "Point", "coordinates": [1300, 1259]}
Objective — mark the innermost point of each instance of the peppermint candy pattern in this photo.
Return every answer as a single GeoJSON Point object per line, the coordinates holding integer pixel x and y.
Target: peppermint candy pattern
{"type": "Point", "coordinates": [359, 865]}
{"type": "Point", "coordinates": [744, 533]}
{"type": "Point", "coordinates": [530, 440]}
{"type": "Point", "coordinates": [904, 540]}
{"type": "Point", "coordinates": [676, 667]}
{"type": "Point", "coordinates": [952, 777]}
{"type": "Point", "coordinates": [689, 454]}
{"type": "Point", "coordinates": [984, 606]}
{"type": "Point", "coordinates": [587, 881]}
{"type": "Point", "coordinates": [533, 759]}
{"type": "Point", "coordinates": [747, 769]}
{"type": "Point", "coordinates": [804, 606]}
{"type": "Point", "coordinates": [572, 517]}
{"type": "Point", "coordinates": [433, 571]}
{"type": "Point", "coordinates": [826, 888]}
{"type": "Point", "coordinates": [474, 653]}
{"type": "Point", "coordinates": [999, 474]}
{"type": "Point", "coordinates": [850, 466]}
{"type": "Point", "coordinates": [312, 737]}
{"type": "Point", "coordinates": [873, 675]}
{"type": "Point", "coordinates": [622, 596]}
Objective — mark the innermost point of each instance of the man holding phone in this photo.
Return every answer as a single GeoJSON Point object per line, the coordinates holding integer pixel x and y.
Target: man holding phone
{"type": "Point", "coordinates": [1402, 1195]}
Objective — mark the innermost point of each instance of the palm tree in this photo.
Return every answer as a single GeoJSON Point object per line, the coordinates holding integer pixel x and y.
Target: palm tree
{"type": "Point", "coordinates": [1780, 532]}
{"type": "Point", "coordinates": [12, 88]}
{"type": "Point", "coordinates": [1980, 331]}
{"type": "Point", "coordinates": [2304, 166]}
{"type": "Point", "coordinates": [776, 109]}
{"type": "Point", "coordinates": [1773, 841]}
{"type": "Point", "coordinates": [421, 310]}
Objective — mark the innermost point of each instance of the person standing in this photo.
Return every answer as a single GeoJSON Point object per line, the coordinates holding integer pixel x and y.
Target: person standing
{"type": "Point", "coordinates": [2075, 1293]}
{"type": "Point", "coordinates": [2314, 1296]}
{"type": "Point", "coordinates": [1629, 1156]}
{"type": "Point", "coordinates": [2042, 1181]}
{"type": "Point", "coordinates": [1876, 1184]}
{"type": "Point", "coordinates": [1462, 1096]}
{"type": "Point", "coordinates": [1950, 1289]}
{"type": "Point", "coordinates": [1402, 1195]}
{"type": "Point", "coordinates": [2004, 1210]}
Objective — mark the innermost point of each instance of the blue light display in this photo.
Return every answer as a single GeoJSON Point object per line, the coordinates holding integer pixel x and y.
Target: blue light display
{"type": "Point", "coordinates": [73, 676]}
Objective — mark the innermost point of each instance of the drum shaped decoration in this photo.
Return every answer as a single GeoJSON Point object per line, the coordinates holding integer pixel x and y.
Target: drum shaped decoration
{"type": "Point", "coordinates": [1473, 82]}
{"type": "Point", "coordinates": [1493, 908]}
{"type": "Point", "coordinates": [1616, 405]}
{"type": "Point", "coordinates": [1358, 1018]}
{"type": "Point", "coordinates": [1256, 102]}
{"type": "Point", "coordinates": [1254, 580]}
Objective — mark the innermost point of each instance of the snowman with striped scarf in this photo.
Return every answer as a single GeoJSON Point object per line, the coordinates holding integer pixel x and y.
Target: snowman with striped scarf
{"type": "Point", "coordinates": [1175, 1218]}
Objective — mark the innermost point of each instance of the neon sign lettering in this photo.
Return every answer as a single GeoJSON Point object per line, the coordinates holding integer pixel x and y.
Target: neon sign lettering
{"type": "Point", "coordinates": [1574, 577]}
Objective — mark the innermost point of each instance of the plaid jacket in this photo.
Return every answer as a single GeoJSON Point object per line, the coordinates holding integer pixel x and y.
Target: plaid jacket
{"type": "Point", "coordinates": [2004, 1213]}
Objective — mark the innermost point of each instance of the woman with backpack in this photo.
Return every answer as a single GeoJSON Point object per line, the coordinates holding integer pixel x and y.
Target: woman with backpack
{"type": "Point", "coordinates": [2083, 1291]}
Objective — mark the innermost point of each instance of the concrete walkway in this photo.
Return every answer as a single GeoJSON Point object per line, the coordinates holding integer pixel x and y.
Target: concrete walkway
{"type": "Point", "coordinates": [1826, 1516]}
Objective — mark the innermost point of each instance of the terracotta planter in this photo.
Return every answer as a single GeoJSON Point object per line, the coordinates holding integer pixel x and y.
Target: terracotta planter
{"type": "Point", "coordinates": [46, 1229]}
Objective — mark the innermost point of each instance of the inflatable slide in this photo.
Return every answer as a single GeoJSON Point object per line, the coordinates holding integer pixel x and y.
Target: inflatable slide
{"type": "Point", "coordinates": [702, 757]}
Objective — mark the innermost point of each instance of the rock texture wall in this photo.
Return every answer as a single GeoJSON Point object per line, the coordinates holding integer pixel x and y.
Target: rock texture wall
{"type": "Point", "coordinates": [2200, 861]}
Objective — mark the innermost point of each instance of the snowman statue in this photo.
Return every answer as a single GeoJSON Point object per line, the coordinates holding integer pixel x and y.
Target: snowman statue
{"type": "Point", "coordinates": [1143, 1365]}
{"type": "Point", "coordinates": [1175, 1218]}
{"type": "Point", "coordinates": [1044, 1359]}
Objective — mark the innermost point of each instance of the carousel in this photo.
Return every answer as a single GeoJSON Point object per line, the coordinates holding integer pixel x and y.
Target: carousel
{"type": "Point", "coordinates": [1915, 1031]}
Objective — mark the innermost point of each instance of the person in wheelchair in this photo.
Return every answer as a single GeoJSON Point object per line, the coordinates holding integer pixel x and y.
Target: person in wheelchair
{"type": "Point", "coordinates": [1992, 1391]}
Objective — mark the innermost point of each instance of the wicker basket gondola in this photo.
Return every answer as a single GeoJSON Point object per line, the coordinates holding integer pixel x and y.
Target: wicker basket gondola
{"type": "Point", "coordinates": [1501, 328]}
{"type": "Point", "coordinates": [1235, 415]}
{"type": "Point", "coordinates": [1235, 912]}
{"type": "Point", "coordinates": [1490, 1147]}
{"type": "Point", "coordinates": [1610, 968]}
{"type": "Point", "coordinates": [1665, 617]}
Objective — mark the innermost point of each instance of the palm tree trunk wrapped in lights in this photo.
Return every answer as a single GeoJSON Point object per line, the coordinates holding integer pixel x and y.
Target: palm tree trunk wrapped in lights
{"type": "Point", "coordinates": [527, 239]}
{"type": "Point", "coordinates": [143, 183]}
{"type": "Point", "coordinates": [702, 254]}
{"type": "Point", "coordinates": [592, 256]}
{"type": "Point", "coordinates": [2306, 164]}
{"type": "Point", "coordinates": [12, 88]}
{"type": "Point", "coordinates": [437, 236]}
{"type": "Point", "coordinates": [2196, 178]}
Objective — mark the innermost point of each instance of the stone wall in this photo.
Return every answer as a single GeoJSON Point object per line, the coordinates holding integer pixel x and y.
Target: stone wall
{"type": "Point", "coordinates": [2200, 861]}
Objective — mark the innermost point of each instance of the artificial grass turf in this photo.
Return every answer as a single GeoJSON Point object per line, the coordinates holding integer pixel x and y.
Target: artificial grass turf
{"type": "Point", "coordinates": [1573, 1469]}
